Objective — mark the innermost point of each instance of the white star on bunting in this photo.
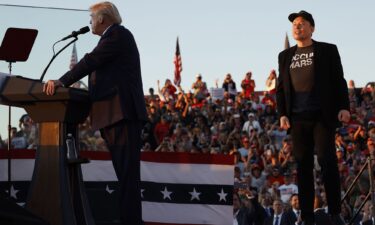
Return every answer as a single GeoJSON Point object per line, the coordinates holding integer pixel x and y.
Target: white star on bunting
{"type": "Point", "coordinates": [13, 192]}
{"type": "Point", "coordinates": [194, 195]}
{"type": "Point", "coordinates": [142, 190]}
{"type": "Point", "coordinates": [109, 190]}
{"type": "Point", "coordinates": [223, 195]}
{"type": "Point", "coordinates": [166, 193]}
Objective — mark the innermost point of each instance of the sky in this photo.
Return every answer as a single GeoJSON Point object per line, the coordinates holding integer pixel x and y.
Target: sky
{"type": "Point", "coordinates": [216, 37]}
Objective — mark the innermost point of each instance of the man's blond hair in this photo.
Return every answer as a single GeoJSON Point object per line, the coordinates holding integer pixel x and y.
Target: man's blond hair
{"type": "Point", "coordinates": [107, 10]}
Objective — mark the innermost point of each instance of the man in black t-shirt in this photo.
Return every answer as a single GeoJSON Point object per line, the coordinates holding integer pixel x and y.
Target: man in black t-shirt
{"type": "Point", "coordinates": [312, 98]}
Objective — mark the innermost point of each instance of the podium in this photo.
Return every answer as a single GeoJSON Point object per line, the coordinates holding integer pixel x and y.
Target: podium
{"type": "Point", "coordinates": [56, 193]}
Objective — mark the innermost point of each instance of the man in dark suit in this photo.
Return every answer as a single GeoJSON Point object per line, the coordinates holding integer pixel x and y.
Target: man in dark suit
{"type": "Point", "coordinates": [241, 214]}
{"type": "Point", "coordinates": [118, 106]}
{"type": "Point", "coordinates": [266, 204]}
{"type": "Point", "coordinates": [292, 215]}
{"type": "Point", "coordinates": [312, 97]}
{"type": "Point", "coordinates": [278, 218]}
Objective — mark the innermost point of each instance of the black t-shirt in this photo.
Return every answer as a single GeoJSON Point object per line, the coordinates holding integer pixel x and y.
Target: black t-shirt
{"type": "Point", "coordinates": [303, 78]}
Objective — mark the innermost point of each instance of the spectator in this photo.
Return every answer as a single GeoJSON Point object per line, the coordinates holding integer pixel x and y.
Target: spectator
{"type": "Point", "coordinates": [152, 95]}
{"type": "Point", "coordinates": [266, 203]}
{"type": "Point", "coordinates": [269, 158]}
{"type": "Point", "coordinates": [248, 86]}
{"type": "Point", "coordinates": [271, 83]}
{"type": "Point", "coordinates": [268, 100]}
{"type": "Point", "coordinates": [29, 131]}
{"type": "Point", "coordinates": [278, 135]}
{"type": "Point", "coordinates": [321, 216]}
{"type": "Point", "coordinates": [293, 215]}
{"type": "Point", "coordinates": [184, 144]}
{"type": "Point", "coordinates": [269, 115]}
{"type": "Point", "coordinates": [367, 217]}
{"type": "Point", "coordinates": [354, 93]}
{"type": "Point", "coordinates": [166, 94]}
{"type": "Point", "coordinates": [200, 88]}
{"type": "Point", "coordinates": [168, 89]}
{"type": "Point", "coordinates": [258, 177]}
{"type": "Point", "coordinates": [244, 150]}
{"type": "Point", "coordinates": [275, 178]}
{"type": "Point", "coordinates": [146, 147]}
{"type": "Point", "coordinates": [285, 156]}
{"type": "Point", "coordinates": [19, 141]}
{"type": "Point", "coordinates": [161, 129]}
{"type": "Point", "coordinates": [230, 86]}
{"type": "Point", "coordinates": [251, 124]}
{"type": "Point", "coordinates": [241, 213]}
{"type": "Point", "coordinates": [278, 216]}
{"type": "Point", "coordinates": [165, 146]}
{"type": "Point", "coordinates": [288, 188]}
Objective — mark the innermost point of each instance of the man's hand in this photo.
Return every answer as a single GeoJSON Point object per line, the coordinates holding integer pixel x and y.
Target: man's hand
{"type": "Point", "coordinates": [50, 86]}
{"type": "Point", "coordinates": [284, 123]}
{"type": "Point", "coordinates": [344, 116]}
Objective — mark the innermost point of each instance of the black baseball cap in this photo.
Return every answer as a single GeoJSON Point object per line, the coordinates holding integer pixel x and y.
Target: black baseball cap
{"type": "Point", "coordinates": [307, 16]}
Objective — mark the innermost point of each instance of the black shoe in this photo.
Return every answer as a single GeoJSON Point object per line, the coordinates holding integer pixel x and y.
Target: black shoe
{"type": "Point", "coordinates": [307, 223]}
{"type": "Point", "coordinates": [337, 220]}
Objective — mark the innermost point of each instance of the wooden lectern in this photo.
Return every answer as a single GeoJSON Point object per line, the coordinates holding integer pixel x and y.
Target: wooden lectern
{"type": "Point", "coordinates": [56, 192]}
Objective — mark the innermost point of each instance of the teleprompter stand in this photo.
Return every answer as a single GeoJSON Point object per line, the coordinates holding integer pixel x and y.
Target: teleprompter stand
{"type": "Point", "coordinates": [16, 47]}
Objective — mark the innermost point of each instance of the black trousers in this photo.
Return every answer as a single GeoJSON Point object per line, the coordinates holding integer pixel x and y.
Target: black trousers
{"type": "Point", "coordinates": [309, 136]}
{"type": "Point", "coordinates": [124, 142]}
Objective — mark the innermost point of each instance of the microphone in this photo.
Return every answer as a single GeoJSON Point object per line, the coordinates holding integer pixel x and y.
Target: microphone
{"type": "Point", "coordinates": [83, 30]}
{"type": "Point", "coordinates": [74, 34]}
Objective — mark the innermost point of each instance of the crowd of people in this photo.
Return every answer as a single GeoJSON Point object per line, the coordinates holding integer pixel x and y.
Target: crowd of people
{"type": "Point", "coordinates": [25, 136]}
{"type": "Point", "coordinates": [239, 121]}
{"type": "Point", "coordinates": [244, 123]}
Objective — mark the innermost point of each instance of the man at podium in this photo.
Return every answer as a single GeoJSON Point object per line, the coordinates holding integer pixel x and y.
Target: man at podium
{"type": "Point", "coordinates": [118, 106]}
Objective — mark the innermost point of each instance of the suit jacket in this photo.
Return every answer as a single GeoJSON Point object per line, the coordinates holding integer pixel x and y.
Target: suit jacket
{"type": "Point", "coordinates": [115, 83]}
{"type": "Point", "coordinates": [269, 213]}
{"type": "Point", "coordinates": [329, 81]}
{"type": "Point", "coordinates": [290, 217]}
{"type": "Point", "coordinates": [270, 220]}
{"type": "Point", "coordinates": [244, 216]}
{"type": "Point", "coordinates": [322, 218]}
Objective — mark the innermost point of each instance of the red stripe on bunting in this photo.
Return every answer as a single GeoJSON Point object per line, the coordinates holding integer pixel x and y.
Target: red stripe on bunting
{"type": "Point", "coordinates": [160, 157]}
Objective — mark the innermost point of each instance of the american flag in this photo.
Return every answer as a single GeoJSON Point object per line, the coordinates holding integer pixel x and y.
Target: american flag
{"type": "Point", "coordinates": [177, 65]}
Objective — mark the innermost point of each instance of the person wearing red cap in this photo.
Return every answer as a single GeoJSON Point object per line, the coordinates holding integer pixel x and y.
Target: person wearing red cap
{"type": "Point", "coordinates": [312, 98]}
